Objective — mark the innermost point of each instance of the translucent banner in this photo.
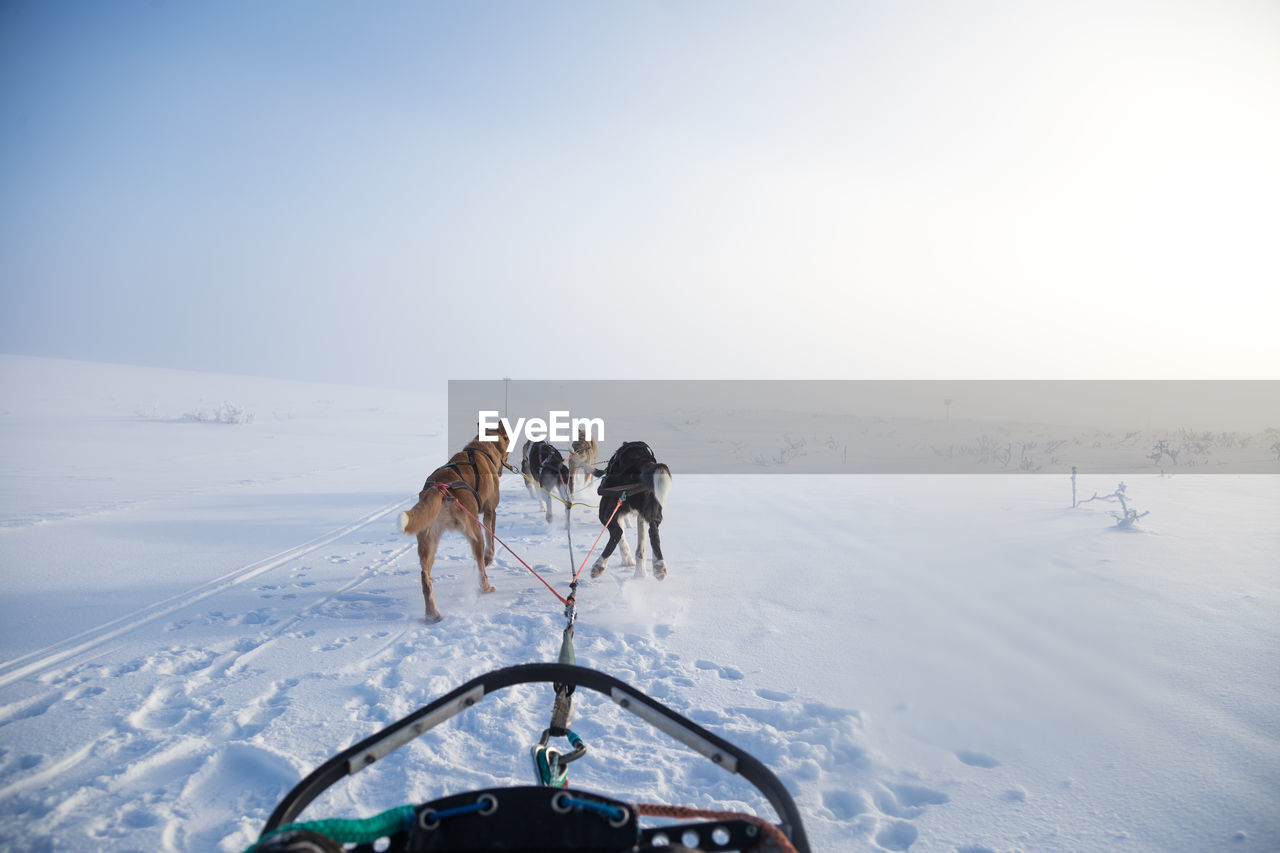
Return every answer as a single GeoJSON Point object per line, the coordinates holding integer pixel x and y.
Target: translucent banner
{"type": "Point", "coordinates": [893, 426]}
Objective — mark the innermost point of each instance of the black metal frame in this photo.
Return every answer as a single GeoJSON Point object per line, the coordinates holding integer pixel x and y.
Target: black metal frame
{"type": "Point", "coordinates": [355, 758]}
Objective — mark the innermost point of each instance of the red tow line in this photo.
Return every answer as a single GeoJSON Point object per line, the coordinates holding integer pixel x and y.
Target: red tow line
{"type": "Point", "coordinates": [449, 495]}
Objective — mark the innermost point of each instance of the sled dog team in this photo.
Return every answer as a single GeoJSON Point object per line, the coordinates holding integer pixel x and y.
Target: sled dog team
{"type": "Point", "coordinates": [462, 494]}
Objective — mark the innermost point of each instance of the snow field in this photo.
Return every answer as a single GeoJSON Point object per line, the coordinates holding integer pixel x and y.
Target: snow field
{"type": "Point", "coordinates": [929, 663]}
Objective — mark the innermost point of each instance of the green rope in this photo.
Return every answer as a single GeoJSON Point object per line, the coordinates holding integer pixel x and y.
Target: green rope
{"type": "Point", "coordinates": [566, 646]}
{"type": "Point", "coordinates": [352, 831]}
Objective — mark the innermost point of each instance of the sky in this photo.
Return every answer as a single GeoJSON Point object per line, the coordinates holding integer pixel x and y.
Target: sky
{"type": "Point", "coordinates": [402, 193]}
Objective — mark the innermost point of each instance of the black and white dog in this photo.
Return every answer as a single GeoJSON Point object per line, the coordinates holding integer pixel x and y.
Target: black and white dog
{"type": "Point", "coordinates": [640, 482]}
{"type": "Point", "coordinates": [545, 471]}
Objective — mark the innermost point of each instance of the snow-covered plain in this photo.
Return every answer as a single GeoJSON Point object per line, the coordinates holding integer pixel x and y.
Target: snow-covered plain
{"type": "Point", "coordinates": [195, 613]}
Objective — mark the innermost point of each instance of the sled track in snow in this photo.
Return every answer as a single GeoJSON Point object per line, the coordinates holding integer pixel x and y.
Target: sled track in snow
{"type": "Point", "coordinates": [33, 662]}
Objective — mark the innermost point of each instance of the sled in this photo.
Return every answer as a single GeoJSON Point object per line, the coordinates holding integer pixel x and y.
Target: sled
{"type": "Point", "coordinates": [551, 816]}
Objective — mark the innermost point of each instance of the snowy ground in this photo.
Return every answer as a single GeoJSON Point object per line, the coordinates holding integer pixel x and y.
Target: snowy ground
{"type": "Point", "coordinates": [195, 613]}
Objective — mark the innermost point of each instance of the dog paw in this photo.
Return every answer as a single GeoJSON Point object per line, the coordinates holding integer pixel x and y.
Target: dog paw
{"type": "Point", "coordinates": [660, 569]}
{"type": "Point", "coordinates": [598, 569]}
{"type": "Point", "coordinates": [433, 618]}
{"type": "Point", "coordinates": [488, 588]}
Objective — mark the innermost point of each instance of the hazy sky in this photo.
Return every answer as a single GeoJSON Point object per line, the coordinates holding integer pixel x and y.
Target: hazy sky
{"type": "Point", "coordinates": [397, 193]}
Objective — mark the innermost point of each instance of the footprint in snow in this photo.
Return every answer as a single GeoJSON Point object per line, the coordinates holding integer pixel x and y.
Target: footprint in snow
{"type": "Point", "coordinates": [254, 718]}
{"type": "Point", "coordinates": [908, 801]}
{"type": "Point", "coordinates": [728, 673]}
{"type": "Point", "coordinates": [976, 759]}
{"type": "Point", "coordinates": [334, 645]}
{"type": "Point", "coordinates": [897, 835]}
{"type": "Point", "coordinates": [28, 708]}
{"type": "Point", "coordinates": [773, 695]}
{"type": "Point", "coordinates": [845, 805]}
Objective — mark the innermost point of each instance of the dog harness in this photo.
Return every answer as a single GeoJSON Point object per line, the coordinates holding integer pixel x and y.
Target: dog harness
{"type": "Point", "coordinates": [471, 460]}
{"type": "Point", "coordinates": [545, 460]}
{"type": "Point", "coordinates": [628, 448]}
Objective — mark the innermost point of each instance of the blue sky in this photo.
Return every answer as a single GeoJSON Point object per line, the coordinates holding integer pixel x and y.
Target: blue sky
{"type": "Point", "coordinates": [400, 193]}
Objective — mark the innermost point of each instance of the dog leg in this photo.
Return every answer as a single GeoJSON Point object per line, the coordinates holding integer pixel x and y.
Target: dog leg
{"type": "Point", "coordinates": [476, 537]}
{"type": "Point", "coordinates": [615, 536]}
{"type": "Point", "coordinates": [528, 483]}
{"type": "Point", "coordinates": [599, 566]}
{"type": "Point", "coordinates": [659, 564]}
{"type": "Point", "coordinates": [642, 528]}
{"type": "Point", "coordinates": [628, 559]}
{"type": "Point", "coordinates": [490, 523]}
{"type": "Point", "coordinates": [642, 532]}
{"type": "Point", "coordinates": [427, 556]}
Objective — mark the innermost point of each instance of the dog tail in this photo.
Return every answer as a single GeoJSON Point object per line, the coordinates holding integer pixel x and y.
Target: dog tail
{"type": "Point", "coordinates": [658, 478]}
{"type": "Point", "coordinates": [423, 513]}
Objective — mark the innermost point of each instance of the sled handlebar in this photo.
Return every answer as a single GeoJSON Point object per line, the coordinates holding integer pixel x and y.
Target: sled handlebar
{"type": "Point", "coordinates": [368, 751]}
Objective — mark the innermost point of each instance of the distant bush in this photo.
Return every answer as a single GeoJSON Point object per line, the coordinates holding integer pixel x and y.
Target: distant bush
{"type": "Point", "coordinates": [227, 413]}
{"type": "Point", "coordinates": [1128, 516]}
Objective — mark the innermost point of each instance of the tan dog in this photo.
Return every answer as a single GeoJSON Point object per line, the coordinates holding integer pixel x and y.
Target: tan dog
{"type": "Point", "coordinates": [583, 455]}
{"type": "Point", "coordinates": [471, 477]}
